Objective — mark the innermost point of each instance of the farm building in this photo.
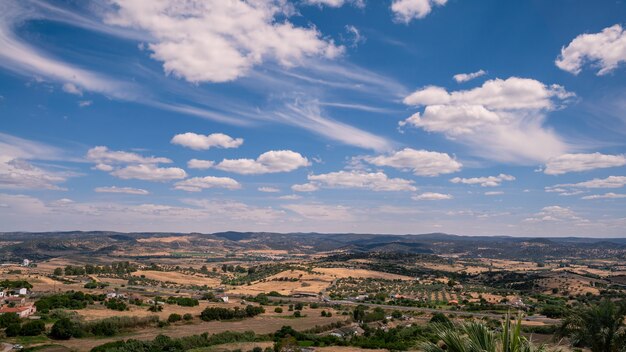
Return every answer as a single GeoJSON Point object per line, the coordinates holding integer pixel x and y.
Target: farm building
{"type": "Point", "coordinates": [22, 311]}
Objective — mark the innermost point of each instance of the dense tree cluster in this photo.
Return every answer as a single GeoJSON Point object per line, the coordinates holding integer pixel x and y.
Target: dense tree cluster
{"type": "Point", "coordinates": [69, 300]}
{"type": "Point", "coordinates": [219, 313]}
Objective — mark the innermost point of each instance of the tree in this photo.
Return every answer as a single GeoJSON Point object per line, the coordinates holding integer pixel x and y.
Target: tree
{"type": "Point", "coordinates": [174, 318]}
{"type": "Point", "coordinates": [13, 330]}
{"type": "Point", "coordinates": [598, 327]}
{"type": "Point", "coordinates": [7, 319]}
{"type": "Point", "coordinates": [477, 337]}
{"type": "Point", "coordinates": [58, 272]}
{"type": "Point", "coordinates": [63, 329]}
{"type": "Point", "coordinates": [33, 328]}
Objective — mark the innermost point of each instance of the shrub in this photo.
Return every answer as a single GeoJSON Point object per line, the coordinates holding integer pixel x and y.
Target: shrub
{"type": "Point", "coordinates": [174, 318]}
{"type": "Point", "coordinates": [278, 310]}
{"type": "Point", "coordinates": [187, 317]}
{"type": "Point", "coordinates": [297, 314]}
{"type": "Point", "coordinates": [63, 329]}
{"type": "Point", "coordinates": [7, 319]}
{"type": "Point", "coordinates": [116, 304]}
{"type": "Point", "coordinates": [33, 328]}
{"type": "Point", "coordinates": [13, 330]}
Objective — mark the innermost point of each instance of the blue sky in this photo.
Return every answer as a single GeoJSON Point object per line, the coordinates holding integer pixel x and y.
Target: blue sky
{"type": "Point", "coordinates": [394, 116]}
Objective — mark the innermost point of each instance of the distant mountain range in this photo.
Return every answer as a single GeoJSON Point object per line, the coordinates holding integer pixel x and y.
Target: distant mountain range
{"type": "Point", "coordinates": [44, 245]}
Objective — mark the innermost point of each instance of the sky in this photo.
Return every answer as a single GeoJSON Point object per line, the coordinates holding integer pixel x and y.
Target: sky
{"type": "Point", "coordinates": [389, 116]}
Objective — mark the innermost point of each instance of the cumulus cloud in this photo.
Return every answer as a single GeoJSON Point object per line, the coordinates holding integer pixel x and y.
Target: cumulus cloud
{"type": "Point", "coordinates": [102, 155]}
{"type": "Point", "coordinates": [608, 182]}
{"type": "Point", "coordinates": [197, 184]}
{"type": "Point", "coordinates": [268, 162]}
{"type": "Point", "coordinates": [17, 170]}
{"type": "Point", "coordinates": [432, 196]}
{"type": "Point", "coordinates": [20, 174]}
{"type": "Point", "coordinates": [609, 195]}
{"type": "Point", "coordinates": [203, 142]}
{"type": "Point", "coordinates": [149, 172]}
{"type": "Point", "coordinates": [219, 41]}
{"type": "Point", "coordinates": [200, 164]}
{"type": "Point", "coordinates": [266, 189]}
{"type": "Point", "coordinates": [305, 187]}
{"type": "Point", "coordinates": [72, 89]}
{"type": "Point", "coordinates": [556, 213]}
{"type": "Point", "coordinates": [407, 10]}
{"type": "Point", "coordinates": [420, 162]}
{"type": "Point", "coordinates": [465, 77]}
{"type": "Point", "coordinates": [487, 181]}
{"type": "Point", "coordinates": [605, 50]}
{"type": "Point", "coordinates": [375, 181]}
{"type": "Point", "coordinates": [125, 190]}
{"type": "Point", "coordinates": [571, 189]}
{"type": "Point", "coordinates": [496, 119]}
{"type": "Point", "coordinates": [582, 162]}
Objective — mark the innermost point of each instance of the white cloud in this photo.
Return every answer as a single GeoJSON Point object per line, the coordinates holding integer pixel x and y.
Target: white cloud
{"type": "Point", "coordinates": [203, 142]}
{"type": "Point", "coordinates": [609, 182]}
{"type": "Point", "coordinates": [72, 89]}
{"type": "Point", "coordinates": [582, 162]}
{"type": "Point", "coordinates": [609, 195]}
{"type": "Point", "coordinates": [420, 162]}
{"type": "Point", "coordinates": [335, 3]}
{"type": "Point", "coordinates": [605, 50]}
{"type": "Point", "coordinates": [17, 170]}
{"type": "Point", "coordinates": [24, 59]}
{"type": "Point", "coordinates": [354, 36]}
{"type": "Point", "coordinates": [290, 197]}
{"type": "Point", "coordinates": [494, 193]}
{"type": "Point", "coordinates": [102, 155]}
{"type": "Point", "coordinates": [200, 164]}
{"type": "Point", "coordinates": [268, 162]}
{"type": "Point", "coordinates": [308, 115]}
{"type": "Point", "coordinates": [321, 211]}
{"type": "Point", "coordinates": [555, 213]}
{"type": "Point", "coordinates": [219, 41]}
{"type": "Point", "coordinates": [20, 174]}
{"type": "Point", "coordinates": [149, 172]}
{"type": "Point", "coordinates": [197, 184]}
{"type": "Point", "coordinates": [432, 196]}
{"type": "Point", "coordinates": [266, 189]}
{"type": "Point", "coordinates": [465, 77]}
{"type": "Point", "coordinates": [407, 10]}
{"type": "Point", "coordinates": [85, 103]}
{"type": "Point", "coordinates": [305, 187]}
{"type": "Point", "coordinates": [496, 119]}
{"type": "Point", "coordinates": [376, 181]}
{"type": "Point", "coordinates": [125, 190]}
{"type": "Point", "coordinates": [487, 181]}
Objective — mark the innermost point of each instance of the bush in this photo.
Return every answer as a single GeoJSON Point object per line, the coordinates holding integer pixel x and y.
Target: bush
{"type": "Point", "coordinates": [174, 318]}
{"type": "Point", "coordinates": [64, 329]}
{"type": "Point", "coordinates": [116, 304]}
{"type": "Point", "coordinates": [9, 319]}
{"type": "Point", "coordinates": [278, 310]}
{"type": "Point", "coordinates": [13, 330]}
{"type": "Point", "coordinates": [187, 317]}
{"type": "Point", "coordinates": [297, 314]}
{"type": "Point", "coordinates": [33, 328]}
{"type": "Point", "coordinates": [323, 313]}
